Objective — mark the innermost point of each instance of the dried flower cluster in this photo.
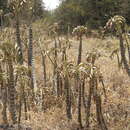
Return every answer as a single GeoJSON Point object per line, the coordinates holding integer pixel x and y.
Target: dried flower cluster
{"type": "Point", "coordinates": [79, 31]}
{"type": "Point", "coordinates": [117, 22]}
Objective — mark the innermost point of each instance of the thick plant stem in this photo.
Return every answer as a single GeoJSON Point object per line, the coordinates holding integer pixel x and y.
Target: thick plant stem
{"type": "Point", "coordinates": [83, 96]}
{"type": "Point", "coordinates": [91, 86]}
{"type": "Point", "coordinates": [79, 105]}
{"type": "Point", "coordinates": [68, 98]}
{"type": "Point", "coordinates": [11, 91]}
{"type": "Point", "coordinates": [19, 44]}
{"type": "Point", "coordinates": [44, 69]}
{"type": "Point", "coordinates": [123, 57]}
{"type": "Point", "coordinates": [20, 110]}
{"type": "Point", "coordinates": [31, 67]}
{"type": "Point", "coordinates": [100, 118]}
{"type": "Point", "coordinates": [55, 73]}
{"type": "Point", "coordinates": [45, 75]}
{"type": "Point", "coordinates": [97, 99]}
{"type": "Point", "coordinates": [4, 99]}
{"type": "Point", "coordinates": [79, 86]}
{"type": "Point", "coordinates": [25, 103]}
{"type": "Point", "coordinates": [128, 46]}
{"type": "Point", "coordinates": [30, 57]}
{"type": "Point", "coordinates": [80, 51]}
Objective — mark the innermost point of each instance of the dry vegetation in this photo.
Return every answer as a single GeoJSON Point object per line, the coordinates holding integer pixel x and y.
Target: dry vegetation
{"type": "Point", "coordinates": [47, 111]}
{"type": "Point", "coordinates": [116, 107]}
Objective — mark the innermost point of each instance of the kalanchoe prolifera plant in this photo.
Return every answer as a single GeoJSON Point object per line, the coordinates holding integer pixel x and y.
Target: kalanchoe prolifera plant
{"type": "Point", "coordinates": [16, 6]}
{"type": "Point", "coordinates": [79, 31]}
{"type": "Point", "coordinates": [54, 33]}
{"type": "Point", "coordinates": [118, 24]}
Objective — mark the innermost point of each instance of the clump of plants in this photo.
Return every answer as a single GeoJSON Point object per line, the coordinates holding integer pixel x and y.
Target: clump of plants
{"type": "Point", "coordinates": [118, 24]}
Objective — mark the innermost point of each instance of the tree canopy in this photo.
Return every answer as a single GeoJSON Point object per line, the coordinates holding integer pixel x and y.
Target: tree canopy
{"type": "Point", "coordinates": [93, 13]}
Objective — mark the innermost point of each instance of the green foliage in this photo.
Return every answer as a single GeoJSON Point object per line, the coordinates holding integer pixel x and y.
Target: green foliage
{"type": "Point", "coordinates": [90, 12]}
{"type": "Point", "coordinates": [3, 4]}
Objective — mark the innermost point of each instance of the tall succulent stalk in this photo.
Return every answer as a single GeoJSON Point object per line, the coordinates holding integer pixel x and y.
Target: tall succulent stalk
{"type": "Point", "coordinates": [83, 94]}
{"type": "Point", "coordinates": [43, 56]}
{"type": "Point", "coordinates": [44, 69]}
{"type": "Point", "coordinates": [45, 77]}
{"type": "Point", "coordinates": [68, 98]}
{"type": "Point", "coordinates": [32, 82]}
{"type": "Point", "coordinates": [55, 72]}
{"type": "Point", "coordinates": [30, 57]}
{"type": "Point", "coordinates": [20, 109]}
{"type": "Point", "coordinates": [10, 56]}
{"type": "Point", "coordinates": [97, 99]}
{"type": "Point", "coordinates": [17, 6]}
{"type": "Point", "coordinates": [100, 117]}
{"type": "Point", "coordinates": [79, 104]}
{"type": "Point", "coordinates": [11, 91]}
{"type": "Point", "coordinates": [119, 24]}
{"type": "Point", "coordinates": [124, 59]}
{"type": "Point", "coordinates": [55, 64]}
{"type": "Point", "coordinates": [4, 97]}
{"type": "Point", "coordinates": [91, 86]}
{"type": "Point", "coordinates": [25, 104]}
{"type": "Point", "coordinates": [79, 32]}
{"type": "Point", "coordinates": [128, 46]}
{"type": "Point", "coordinates": [80, 50]}
{"type": "Point", "coordinates": [19, 44]}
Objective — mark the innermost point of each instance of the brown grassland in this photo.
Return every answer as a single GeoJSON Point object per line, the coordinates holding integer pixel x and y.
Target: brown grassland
{"type": "Point", "coordinates": [115, 108]}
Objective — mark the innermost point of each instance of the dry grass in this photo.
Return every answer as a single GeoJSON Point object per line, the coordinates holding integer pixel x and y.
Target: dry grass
{"type": "Point", "coordinates": [116, 108]}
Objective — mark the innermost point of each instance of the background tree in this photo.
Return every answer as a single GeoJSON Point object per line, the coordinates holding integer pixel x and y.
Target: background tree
{"type": "Point", "coordinates": [93, 13]}
{"type": "Point", "coordinates": [3, 4]}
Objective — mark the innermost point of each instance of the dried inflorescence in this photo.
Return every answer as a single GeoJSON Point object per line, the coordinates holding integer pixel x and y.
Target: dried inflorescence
{"type": "Point", "coordinates": [17, 4]}
{"type": "Point", "coordinates": [117, 23]}
{"type": "Point", "coordinates": [92, 56]}
{"type": "Point", "coordinates": [79, 31]}
{"type": "Point", "coordinates": [53, 29]}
